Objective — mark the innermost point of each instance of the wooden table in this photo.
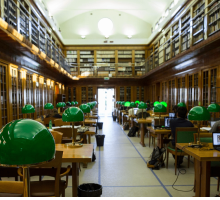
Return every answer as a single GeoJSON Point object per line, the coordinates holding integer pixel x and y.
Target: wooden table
{"type": "Point", "coordinates": [202, 167]}
{"type": "Point", "coordinates": [124, 117]}
{"type": "Point", "coordinates": [131, 118]}
{"type": "Point", "coordinates": [92, 117]}
{"type": "Point", "coordinates": [142, 122]}
{"type": "Point", "coordinates": [160, 135]}
{"type": "Point", "coordinates": [90, 121]}
{"type": "Point", "coordinates": [76, 156]}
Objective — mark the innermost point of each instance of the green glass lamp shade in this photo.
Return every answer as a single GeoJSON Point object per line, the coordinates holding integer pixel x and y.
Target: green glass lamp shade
{"type": "Point", "coordinates": [60, 105]}
{"type": "Point", "coordinates": [85, 108]}
{"type": "Point", "coordinates": [25, 142]}
{"type": "Point", "coordinates": [28, 108]}
{"type": "Point", "coordinates": [137, 102]}
{"type": "Point", "coordinates": [181, 104]}
{"type": "Point", "coordinates": [199, 113]}
{"type": "Point", "coordinates": [76, 102]}
{"type": "Point", "coordinates": [142, 105]}
{"type": "Point", "coordinates": [160, 108]}
{"type": "Point", "coordinates": [214, 107]}
{"type": "Point", "coordinates": [64, 105]}
{"type": "Point", "coordinates": [127, 104]}
{"type": "Point", "coordinates": [48, 106]}
{"type": "Point", "coordinates": [73, 114]}
{"type": "Point", "coordinates": [156, 102]}
{"type": "Point", "coordinates": [122, 103]}
{"type": "Point", "coordinates": [90, 105]}
{"type": "Point", "coordinates": [72, 103]}
{"type": "Point", "coordinates": [164, 103]}
{"type": "Point", "coordinates": [133, 105]}
{"type": "Point", "coordinates": [68, 103]}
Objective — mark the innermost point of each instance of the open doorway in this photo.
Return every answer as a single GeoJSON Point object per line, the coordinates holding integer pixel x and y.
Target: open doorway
{"type": "Point", "coordinates": [106, 101]}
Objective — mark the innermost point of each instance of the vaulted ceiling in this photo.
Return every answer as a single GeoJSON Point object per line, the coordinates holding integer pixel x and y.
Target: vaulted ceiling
{"type": "Point", "coordinates": [81, 17]}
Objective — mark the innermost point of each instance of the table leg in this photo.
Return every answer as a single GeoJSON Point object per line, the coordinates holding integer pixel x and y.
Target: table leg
{"type": "Point", "coordinates": [160, 140]}
{"type": "Point", "coordinates": [197, 168]}
{"type": "Point", "coordinates": [132, 122]}
{"type": "Point", "coordinates": [84, 139]}
{"type": "Point", "coordinates": [75, 178]}
{"type": "Point", "coordinates": [142, 135]}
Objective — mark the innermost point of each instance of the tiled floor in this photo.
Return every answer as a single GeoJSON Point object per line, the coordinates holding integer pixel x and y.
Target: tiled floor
{"type": "Point", "coordinates": [121, 169]}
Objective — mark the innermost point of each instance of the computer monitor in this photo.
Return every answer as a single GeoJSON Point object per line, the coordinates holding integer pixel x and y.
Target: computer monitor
{"type": "Point", "coordinates": [216, 140]}
{"type": "Point", "coordinates": [135, 111]}
{"type": "Point", "coordinates": [167, 122]}
{"type": "Point", "coordinates": [212, 123]}
{"type": "Point", "coordinates": [172, 115]}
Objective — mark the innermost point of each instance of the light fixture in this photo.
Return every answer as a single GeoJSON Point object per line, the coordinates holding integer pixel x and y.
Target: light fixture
{"type": "Point", "coordinates": [83, 36]}
{"type": "Point", "coordinates": [159, 29]}
{"type": "Point", "coordinates": [106, 36]}
{"type": "Point", "coordinates": [129, 36]}
{"type": "Point", "coordinates": [105, 25]}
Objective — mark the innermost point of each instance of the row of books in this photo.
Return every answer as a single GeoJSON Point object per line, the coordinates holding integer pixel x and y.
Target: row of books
{"type": "Point", "coordinates": [104, 64]}
{"type": "Point", "coordinates": [73, 69]}
{"type": "Point", "coordinates": [86, 56]}
{"type": "Point", "coordinates": [214, 27]}
{"type": "Point", "coordinates": [71, 52]}
{"type": "Point", "coordinates": [71, 56]}
{"type": "Point", "coordinates": [124, 52]}
{"type": "Point", "coordinates": [106, 52]}
{"type": "Point", "coordinates": [185, 45]}
{"type": "Point", "coordinates": [85, 52]}
{"type": "Point", "coordinates": [214, 16]}
{"type": "Point", "coordinates": [106, 56]}
{"type": "Point", "coordinates": [124, 56]}
{"type": "Point", "coordinates": [87, 73]}
{"type": "Point", "coordinates": [198, 37]}
{"type": "Point", "coordinates": [86, 69]}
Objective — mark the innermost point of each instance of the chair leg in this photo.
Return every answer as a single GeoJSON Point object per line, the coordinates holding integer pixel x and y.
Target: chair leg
{"type": "Point", "coordinates": [175, 163]}
{"type": "Point", "coordinates": [149, 139]}
{"type": "Point", "coordinates": [218, 184]}
{"type": "Point", "coordinates": [63, 193]}
{"type": "Point", "coordinates": [167, 158]}
{"type": "Point", "coordinates": [188, 161]}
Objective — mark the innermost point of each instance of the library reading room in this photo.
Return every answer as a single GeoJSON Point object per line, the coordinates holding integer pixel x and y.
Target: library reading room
{"type": "Point", "coordinates": [109, 98]}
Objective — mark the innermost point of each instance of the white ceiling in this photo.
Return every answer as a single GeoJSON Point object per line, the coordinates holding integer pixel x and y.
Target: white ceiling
{"type": "Point", "coordinates": [75, 19]}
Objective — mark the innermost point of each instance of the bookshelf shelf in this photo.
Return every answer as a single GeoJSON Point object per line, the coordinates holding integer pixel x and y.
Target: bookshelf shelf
{"type": "Point", "coordinates": [124, 63]}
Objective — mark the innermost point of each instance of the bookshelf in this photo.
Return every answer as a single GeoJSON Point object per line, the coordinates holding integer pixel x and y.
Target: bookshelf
{"type": "Point", "coordinates": [196, 90]}
{"type": "Point", "coordinates": [142, 93]}
{"type": "Point", "coordinates": [167, 46]}
{"type": "Point", "coordinates": [48, 41]}
{"type": "Point", "coordinates": [128, 94]}
{"type": "Point", "coordinates": [156, 55]}
{"type": "Point", "coordinates": [205, 88]}
{"type": "Point", "coordinates": [122, 94]}
{"type": "Point", "coordinates": [105, 63]}
{"type": "Point", "coordinates": [83, 95]}
{"type": "Point", "coordinates": [34, 29]}
{"type": "Point", "coordinates": [190, 88]}
{"type": "Point", "coordinates": [71, 57]}
{"type": "Point", "coordinates": [24, 19]}
{"type": "Point", "coordinates": [213, 77]}
{"type": "Point", "coordinates": [139, 63]}
{"type": "Point", "coordinates": [185, 31]}
{"type": "Point", "coordinates": [161, 50]}
{"type": "Point", "coordinates": [213, 16]}
{"type": "Point", "coordinates": [198, 21]}
{"type": "Point", "coordinates": [90, 94]}
{"type": "Point", "coordinates": [175, 42]}
{"type": "Point", "coordinates": [183, 89]}
{"type": "Point", "coordinates": [124, 63]}
{"type": "Point", "coordinates": [86, 63]}
{"type": "Point", "coordinates": [42, 38]}
{"type": "Point", "coordinates": [10, 13]}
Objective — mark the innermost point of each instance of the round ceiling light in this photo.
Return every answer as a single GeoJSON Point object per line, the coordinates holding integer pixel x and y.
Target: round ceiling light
{"type": "Point", "coordinates": [105, 25]}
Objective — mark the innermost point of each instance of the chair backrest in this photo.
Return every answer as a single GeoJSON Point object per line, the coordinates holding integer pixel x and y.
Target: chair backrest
{"type": "Point", "coordinates": [204, 137]}
{"type": "Point", "coordinates": [151, 112]}
{"type": "Point", "coordinates": [67, 132]}
{"type": "Point", "coordinates": [185, 134]}
{"type": "Point", "coordinates": [12, 187]}
{"type": "Point", "coordinates": [55, 164]}
{"type": "Point", "coordinates": [145, 115]}
{"type": "Point", "coordinates": [47, 120]}
{"type": "Point", "coordinates": [58, 136]}
{"type": "Point", "coordinates": [59, 122]}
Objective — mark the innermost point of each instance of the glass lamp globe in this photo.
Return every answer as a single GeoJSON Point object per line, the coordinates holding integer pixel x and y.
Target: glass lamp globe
{"type": "Point", "coordinates": [105, 25]}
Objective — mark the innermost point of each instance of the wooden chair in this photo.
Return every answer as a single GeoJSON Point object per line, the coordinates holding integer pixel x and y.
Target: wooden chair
{"type": "Point", "coordinates": [182, 135]}
{"type": "Point", "coordinates": [11, 189]}
{"type": "Point", "coordinates": [47, 120]}
{"type": "Point", "coordinates": [204, 137]}
{"type": "Point", "coordinates": [58, 136]}
{"type": "Point", "coordinates": [153, 136]}
{"type": "Point", "coordinates": [59, 122]}
{"type": "Point", "coordinates": [49, 188]}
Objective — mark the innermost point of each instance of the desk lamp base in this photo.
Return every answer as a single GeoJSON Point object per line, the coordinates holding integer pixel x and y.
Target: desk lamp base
{"type": "Point", "coordinates": [74, 145]}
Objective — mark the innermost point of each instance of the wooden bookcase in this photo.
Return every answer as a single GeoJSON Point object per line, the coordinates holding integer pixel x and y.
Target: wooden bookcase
{"type": "Point", "coordinates": [139, 63]}
{"type": "Point", "coordinates": [213, 17]}
{"type": "Point", "coordinates": [175, 39]}
{"type": "Point", "coordinates": [124, 63]}
{"type": "Point", "coordinates": [86, 63]}
{"type": "Point", "coordinates": [185, 31]}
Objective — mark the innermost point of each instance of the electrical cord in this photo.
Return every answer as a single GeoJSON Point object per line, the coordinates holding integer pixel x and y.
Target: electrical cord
{"type": "Point", "coordinates": [181, 171]}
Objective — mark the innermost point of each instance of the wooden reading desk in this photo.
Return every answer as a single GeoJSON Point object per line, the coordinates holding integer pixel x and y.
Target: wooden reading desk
{"type": "Point", "coordinates": [76, 156]}
{"type": "Point", "coordinates": [202, 167]}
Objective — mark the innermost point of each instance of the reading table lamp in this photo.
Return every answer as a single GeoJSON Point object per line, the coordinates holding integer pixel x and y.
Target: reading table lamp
{"type": "Point", "coordinates": [91, 105]}
{"type": "Point", "coordinates": [76, 103]}
{"type": "Point", "coordinates": [127, 104]}
{"type": "Point", "coordinates": [199, 114]}
{"type": "Point", "coordinates": [181, 104]}
{"type": "Point", "coordinates": [160, 108]}
{"type": "Point", "coordinates": [68, 103]}
{"type": "Point", "coordinates": [142, 106]}
{"type": "Point", "coordinates": [133, 105]}
{"type": "Point", "coordinates": [73, 114]}
{"type": "Point", "coordinates": [156, 102]}
{"type": "Point", "coordinates": [48, 106]}
{"type": "Point", "coordinates": [164, 103]}
{"type": "Point", "coordinates": [72, 103]}
{"type": "Point", "coordinates": [137, 102]}
{"type": "Point", "coordinates": [213, 108]}
{"type": "Point", "coordinates": [25, 143]}
{"type": "Point", "coordinates": [27, 109]}
{"type": "Point", "coordinates": [86, 109]}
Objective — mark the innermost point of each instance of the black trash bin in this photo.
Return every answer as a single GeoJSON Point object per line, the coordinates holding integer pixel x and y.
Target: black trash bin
{"type": "Point", "coordinates": [100, 140]}
{"type": "Point", "coordinates": [114, 118]}
{"type": "Point", "coordinates": [89, 190]}
{"type": "Point", "coordinates": [100, 124]}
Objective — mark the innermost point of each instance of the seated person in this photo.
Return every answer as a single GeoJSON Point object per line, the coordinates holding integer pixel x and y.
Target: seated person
{"type": "Point", "coordinates": [180, 121]}
{"type": "Point", "coordinates": [215, 127]}
{"type": "Point", "coordinates": [140, 111]}
{"type": "Point", "coordinates": [54, 114]}
{"type": "Point", "coordinates": [131, 112]}
{"type": "Point", "coordinates": [175, 110]}
{"type": "Point", "coordinates": [139, 116]}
